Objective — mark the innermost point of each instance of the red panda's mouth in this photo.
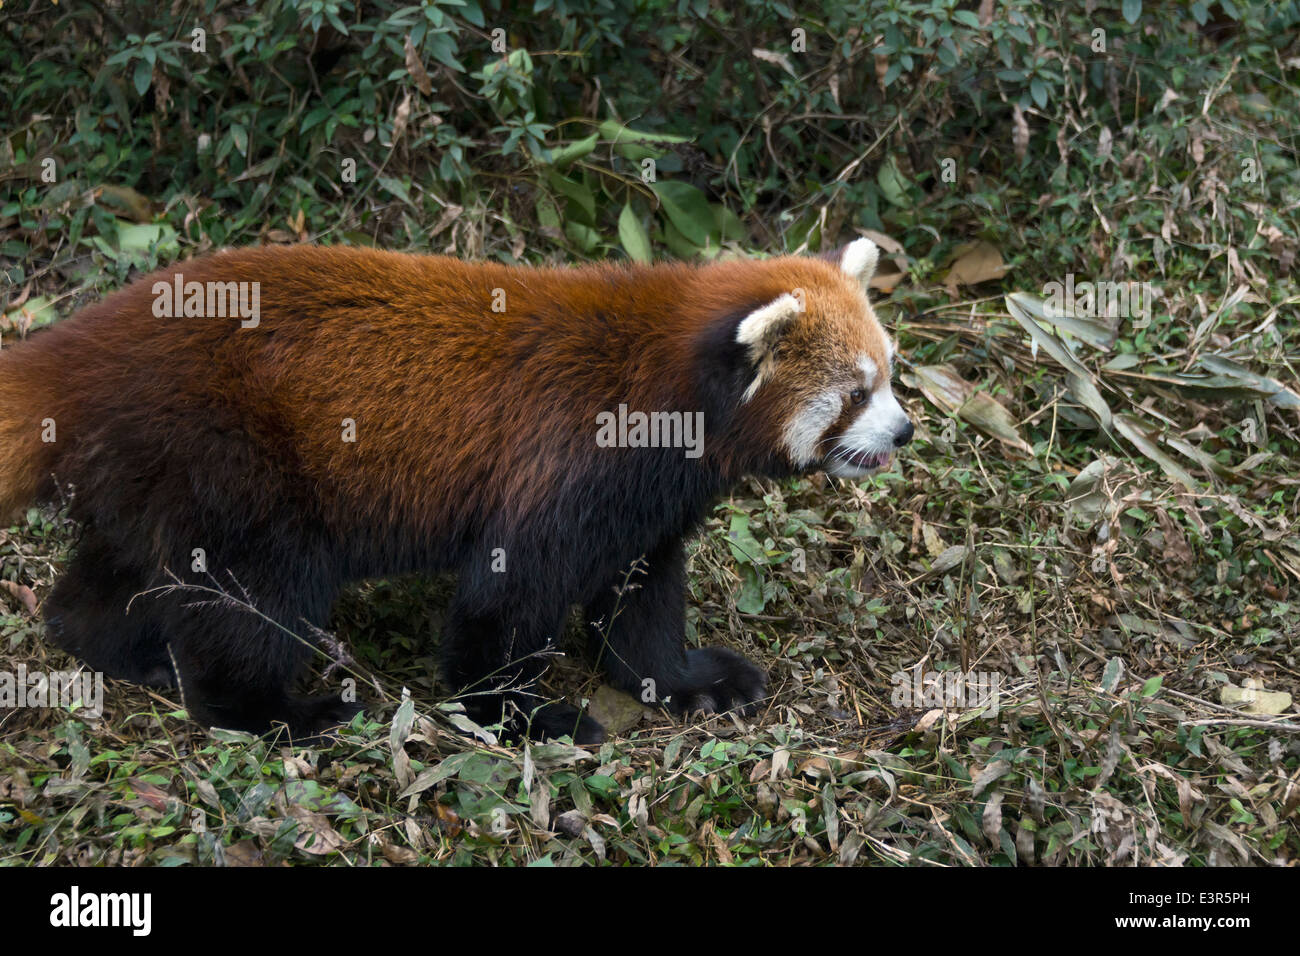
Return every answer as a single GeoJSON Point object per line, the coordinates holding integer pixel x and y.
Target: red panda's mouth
{"type": "Point", "coordinates": [866, 459]}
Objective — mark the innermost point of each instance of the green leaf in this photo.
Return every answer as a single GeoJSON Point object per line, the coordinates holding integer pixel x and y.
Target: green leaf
{"type": "Point", "coordinates": [679, 245]}
{"type": "Point", "coordinates": [750, 598]}
{"type": "Point", "coordinates": [602, 784]}
{"type": "Point", "coordinates": [990, 416]}
{"type": "Point", "coordinates": [142, 76]}
{"type": "Point", "coordinates": [636, 243]}
{"type": "Point", "coordinates": [141, 237]}
{"type": "Point", "coordinates": [616, 132]}
{"type": "Point", "coordinates": [434, 775]}
{"type": "Point", "coordinates": [583, 236]}
{"type": "Point", "coordinates": [402, 723]}
{"type": "Point", "coordinates": [40, 310]}
{"type": "Point", "coordinates": [1038, 89]}
{"type": "Point", "coordinates": [726, 224]}
{"type": "Point", "coordinates": [1132, 10]}
{"type": "Point", "coordinates": [314, 118]}
{"type": "Point", "coordinates": [566, 155]}
{"type": "Point", "coordinates": [578, 193]}
{"type": "Point", "coordinates": [893, 184]}
{"type": "Point", "coordinates": [398, 189]}
{"type": "Point", "coordinates": [744, 546]}
{"type": "Point", "coordinates": [548, 213]}
{"type": "Point", "coordinates": [1276, 392]}
{"type": "Point", "coordinates": [1122, 361]}
{"type": "Point", "coordinates": [1151, 686]}
{"type": "Point", "coordinates": [1080, 380]}
{"type": "Point", "coordinates": [1096, 332]}
{"type": "Point", "coordinates": [1114, 671]}
{"type": "Point", "coordinates": [1144, 441]}
{"type": "Point", "coordinates": [687, 209]}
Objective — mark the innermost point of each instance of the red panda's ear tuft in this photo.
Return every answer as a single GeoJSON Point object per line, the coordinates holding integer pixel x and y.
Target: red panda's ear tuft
{"type": "Point", "coordinates": [860, 259]}
{"type": "Point", "coordinates": [759, 331]}
{"type": "Point", "coordinates": [857, 260]}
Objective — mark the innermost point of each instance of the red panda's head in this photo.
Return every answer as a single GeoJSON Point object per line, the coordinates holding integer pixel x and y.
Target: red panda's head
{"type": "Point", "coordinates": [821, 365]}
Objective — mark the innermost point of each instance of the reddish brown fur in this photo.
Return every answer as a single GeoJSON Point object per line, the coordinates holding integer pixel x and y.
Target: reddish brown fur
{"type": "Point", "coordinates": [468, 406]}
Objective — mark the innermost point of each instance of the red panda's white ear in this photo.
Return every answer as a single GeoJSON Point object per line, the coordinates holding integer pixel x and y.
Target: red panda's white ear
{"type": "Point", "coordinates": [759, 330]}
{"type": "Point", "coordinates": [859, 260]}
{"type": "Point", "coordinates": [759, 333]}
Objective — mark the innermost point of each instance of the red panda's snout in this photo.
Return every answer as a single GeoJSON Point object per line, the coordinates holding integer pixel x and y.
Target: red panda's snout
{"type": "Point", "coordinates": [852, 427]}
{"type": "Point", "coordinates": [878, 429]}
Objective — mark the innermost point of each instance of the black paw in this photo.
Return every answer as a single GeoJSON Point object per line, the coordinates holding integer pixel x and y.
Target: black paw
{"type": "Point", "coordinates": [718, 680]}
{"type": "Point", "coordinates": [560, 720]}
{"type": "Point", "coordinates": [313, 719]}
{"type": "Point", "coordinates": [121, 655]}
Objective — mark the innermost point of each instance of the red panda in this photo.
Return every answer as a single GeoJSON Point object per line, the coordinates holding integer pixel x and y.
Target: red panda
{"type": "Point", "coordinates": [371, 413]}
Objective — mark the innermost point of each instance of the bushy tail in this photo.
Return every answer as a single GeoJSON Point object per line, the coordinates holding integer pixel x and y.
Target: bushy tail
{"type": "Point", "coordinates": [29, 422]}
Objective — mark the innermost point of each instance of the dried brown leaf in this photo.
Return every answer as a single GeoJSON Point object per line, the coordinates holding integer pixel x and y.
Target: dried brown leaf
{"type": "Point", "coordinates": [975, 263]}
{"type": "Point", "coordinates": [416, 69]}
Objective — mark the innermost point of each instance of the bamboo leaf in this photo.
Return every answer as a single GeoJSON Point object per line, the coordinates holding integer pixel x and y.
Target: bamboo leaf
{"type": "Point", "coordinates": [1079, 379]}
{"type": "Point", "coordinates": [1094, 332]}
{"type": "Point", "coordinates": [1137, 434]}
{"type": "Point", "coordinates": [1275, 391]}
{"type": "Point", "coordinates": [988, 415]}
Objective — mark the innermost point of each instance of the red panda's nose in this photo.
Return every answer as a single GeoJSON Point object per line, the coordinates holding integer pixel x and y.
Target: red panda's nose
{"type": "Point", "coordinates": [903, 436]}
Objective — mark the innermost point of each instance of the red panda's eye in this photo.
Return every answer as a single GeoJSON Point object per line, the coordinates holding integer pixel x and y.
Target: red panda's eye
{"type": "Point", "coordinates": [857, 396]}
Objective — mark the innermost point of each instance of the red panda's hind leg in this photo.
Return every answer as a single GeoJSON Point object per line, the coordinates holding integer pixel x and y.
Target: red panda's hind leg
{"type": "Point", "coordinates": [240, 636]}
{"type": "Point", "coordinates": [95, 614]}
{"type": "Point", "coordinates": [238, 671]}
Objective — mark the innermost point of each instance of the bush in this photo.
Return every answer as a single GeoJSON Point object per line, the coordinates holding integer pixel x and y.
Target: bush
{"type": "Point", "coordinates": [468, 125]}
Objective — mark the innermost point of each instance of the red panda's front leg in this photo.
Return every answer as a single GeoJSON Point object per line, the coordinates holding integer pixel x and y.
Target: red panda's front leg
{"type": "Point", "coordinates": [636, 627]}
